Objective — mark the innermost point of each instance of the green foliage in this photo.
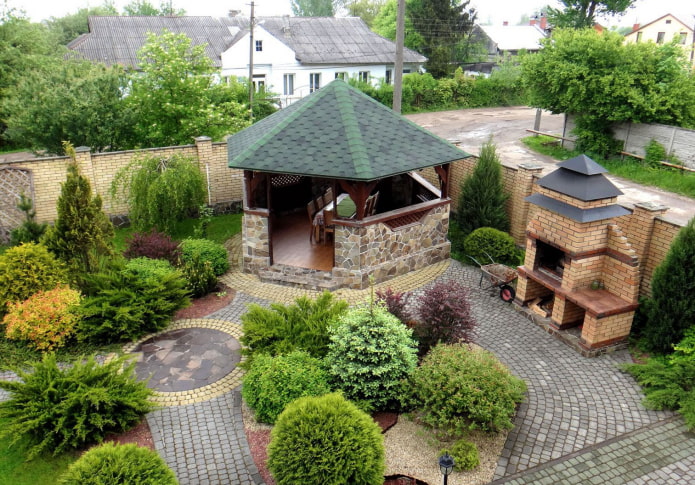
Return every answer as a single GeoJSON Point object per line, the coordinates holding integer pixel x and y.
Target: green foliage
{"type": "Point", "coordinates": [205, 250]}
{"type": "Point", "coordinates": [28, 269]}
{"type": "Point", "coordinates": [82, 232]}
{"type": "Point", "coordinates": [482, 200]}
{"type": "Point", "coordinates": [370, 354]}
{"type": "Point", "coordinates": [654, 153]}
{"type": "Point", "coordinates": [673, 293]}
{"type": "Point", "coordinates": [498, 245]}
{"type": "Point", "coordinates": [326, 440]}
{"type": "Point", "coordinates": [281, 329]}
{"type": "Point", "coordinates": [30, 230]}
{"type": "Point", "coordinates": [442, 25]}
{"type": "Point", "coordinates": [145, 9]}
{"type": "Point", "coordinates": [457, 388]}
{"type": "Point", "coordinates": [146, 268]}
{"type": "Point", "coordinates": [200, 276]}
{"type": "Point", "coordinates": [315, 8]}
{"type": "Point", "coordinates": [465, 455]}
{"type": "Point", "coordinates": [70, 99]}
{"type": "Point", "coordinates": [159, 191]}
{"type": "Point", "coordinates": [578, 14]}
{"type": "Point", "coordinates": [110, 463]}
{"type": "Point", "coordinates": [502, 88]}
{"type": "Point", "coordinates": [71, 26]}
{"type": "Point", "coordinates": [63, 409]}
{"type": "Point", "coordinates": [367, 10]}
{"type": "Point", "coordinates": [385, 25]}
{"type": "Point", "coordinates": [124, 306]}
{"type": "Point", "coordinates": [602, 80]}
{"type": "Point", "coordinates": [669, 382]}
{"type": "Point", "coordinates": [46, 320]}
{"type": "Point", "coordinates": [271, 383]}
{"type": "Point", "coordinates": [176, 97]}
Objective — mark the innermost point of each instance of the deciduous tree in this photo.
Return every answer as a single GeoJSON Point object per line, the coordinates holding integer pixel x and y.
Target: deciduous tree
{"type": "Point", "coordinates": [578, 14]}
{"type": "Point", "coordinates": [315, 8]}
{"type": "Point", "coordinates": [367, 10]}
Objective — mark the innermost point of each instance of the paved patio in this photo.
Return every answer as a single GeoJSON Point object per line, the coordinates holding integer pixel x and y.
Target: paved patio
{"type": "Point", "coordinates": [582, 421]}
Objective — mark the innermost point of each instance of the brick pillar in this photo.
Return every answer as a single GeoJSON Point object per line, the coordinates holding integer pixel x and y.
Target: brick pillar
{"type": "Point", "coordinates": [523, 187]}
{"type": "Point", "coordinates": [640, 230]}
{"type": "Point", "coordinates": [203, 145]}
{"type": "Point", "coordinates": [83, 157]}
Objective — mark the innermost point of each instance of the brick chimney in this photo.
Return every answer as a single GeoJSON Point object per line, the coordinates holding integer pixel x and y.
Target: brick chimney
{"type": "Point", "coordinates": [544, 22]}
{"type": "Point", "coordinates": [635, 27]}
{"type": "Point", "coordinates": [505, 23]}
{"type": "Point", "coordinates": [533, 21]}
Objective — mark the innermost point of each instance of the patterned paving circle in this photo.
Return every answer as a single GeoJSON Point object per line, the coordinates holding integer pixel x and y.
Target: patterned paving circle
{"type": "Point", "coordinates": [192, 361]}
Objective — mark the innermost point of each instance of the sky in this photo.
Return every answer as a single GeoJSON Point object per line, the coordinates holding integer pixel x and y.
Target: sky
{"type": "Point", "coordinates": [489, 11]}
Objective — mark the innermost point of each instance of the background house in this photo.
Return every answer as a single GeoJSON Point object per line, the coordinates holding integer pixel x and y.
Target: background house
{"type": "Point", "coordinates": [665, 29]}
{"type": "Point", "coordinates": [293, 56]}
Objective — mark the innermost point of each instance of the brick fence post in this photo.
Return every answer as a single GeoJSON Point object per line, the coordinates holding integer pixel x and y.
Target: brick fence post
{"type": "Point", "coordinates": [203, 145]}
{"type": "Point", "coordinates": [523, 187]}
{"type": "Point", "coordinates": [83, 157]}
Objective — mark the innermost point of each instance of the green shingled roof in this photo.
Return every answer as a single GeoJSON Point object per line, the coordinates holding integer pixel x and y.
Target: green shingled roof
{"type": "Point", "coordinates": [338, 132]}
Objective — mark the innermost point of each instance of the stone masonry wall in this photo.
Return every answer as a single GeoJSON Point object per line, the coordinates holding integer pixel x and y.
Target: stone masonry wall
{"type": "Point", "coordinates": [256, 245]}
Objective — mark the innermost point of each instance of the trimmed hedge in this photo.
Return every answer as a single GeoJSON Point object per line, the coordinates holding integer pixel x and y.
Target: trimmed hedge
{"type": "Point", "coordinates": [499, 245]}
{"type": "Point", "coordinates": [205, 250]}
{"type": "Point", "coordinates": [273, 382]}
{"type": "Point", "coordinates": [326, 440]}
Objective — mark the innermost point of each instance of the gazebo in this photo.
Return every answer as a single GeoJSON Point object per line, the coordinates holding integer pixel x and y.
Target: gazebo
{"type": "Point", "coordinates": [335, 145]}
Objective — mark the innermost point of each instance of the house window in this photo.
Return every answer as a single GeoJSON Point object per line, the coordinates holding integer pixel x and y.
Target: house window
{"type": "Point", "coordinates": [660, 37]}
{"type": "Point", "coordinates": [389, 76]}
{"type": "Point", "coordinates": [341, 75]}
{"type": "Point", "coordinates": [683, 37]}
{"type": "Point", "coordinates": [288, 84]}
{"type": "Point", "coordinates": [668, 21]}
{"type": "Point", "coordinates": [258, 82]}
{"type": "Point", "coordinates": [639, 36]}
{"type": "Point", "coordinates": [406, 71]}
{"type": "Point", "coordinates": [259, 46]}
{"type": "Point", "coordinates": [363, 76]}
{"type": "Point", "coordinates": [314, 81]}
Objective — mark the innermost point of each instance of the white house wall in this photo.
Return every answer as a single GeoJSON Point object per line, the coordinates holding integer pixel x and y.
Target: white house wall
{"type": "Point", "coordinates": [276, 60]}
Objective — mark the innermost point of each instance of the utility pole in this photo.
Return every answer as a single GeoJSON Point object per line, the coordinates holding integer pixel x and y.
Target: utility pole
{"type": "Point", "coordinates": [398, 66]}
{"type": "Point", "coordinates": [252, 47]}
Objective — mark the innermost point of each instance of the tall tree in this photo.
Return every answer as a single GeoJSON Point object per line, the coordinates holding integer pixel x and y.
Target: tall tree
{"type": "Point", "coordinates": [385, 25]}
{"type": "Point", "coordinates": [69, 99]}
{"type": "Point", "coordinates": [578, 14]}
{"type": "Point", "coordinates": [176, 96]}
{"type": "Point", "coordinates": [601, 80]}
{"type": "Point", "coordinates": [315, 8]}
{"type": "Point", "coordinates": [82, 232]}
{"type": "Point", "coordinates": [443, 24]}
{"type": "Point", "coordinates": [367, 10]}
{"type": "Point", "coordinates": [145, 9]}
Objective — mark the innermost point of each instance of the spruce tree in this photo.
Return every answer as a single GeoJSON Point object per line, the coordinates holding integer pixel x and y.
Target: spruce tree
{"type": "Point", "coordinates": [82, 232]}
{"type": "Point", "coordinates": [672, 308]}
{"type": "Point", "coordinates": [482, 200]}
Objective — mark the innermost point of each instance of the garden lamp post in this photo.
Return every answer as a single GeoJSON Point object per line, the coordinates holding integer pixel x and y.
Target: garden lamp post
{"type": "Point", "coordinates": [446, 466]}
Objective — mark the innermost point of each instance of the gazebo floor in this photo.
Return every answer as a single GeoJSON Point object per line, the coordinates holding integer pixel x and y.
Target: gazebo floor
{"type": "Point", "coordinates": [291, 245]}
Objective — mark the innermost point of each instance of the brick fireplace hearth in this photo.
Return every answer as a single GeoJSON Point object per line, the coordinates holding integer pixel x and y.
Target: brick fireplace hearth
{"type": "Point", "coordinates": [578, 257]}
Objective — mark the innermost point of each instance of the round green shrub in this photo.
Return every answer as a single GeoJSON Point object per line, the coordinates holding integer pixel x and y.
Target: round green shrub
{"type": "Point", "coordinates": [370, 354]}
{"type": "Point", "coordinates": [206, 250]}
{"type": "Point", "coordinates": [499, 245]}
{"type": "Point", "coordinates": [199, 275]}
{"type": "Point", "coordinates": [465, 455]}
{"type": "Point", "coordinates": [326, 440]}
{"type": "Point", "coordinates": [273, 382]}
{"type": "Point", "coordinates": [119, 464]}
{"type": "Point", "coordinates": [68, 407]}
{"type": "Point", "coordinates": [146, 268]}
{"type": "Point", "coordinates": [457, 388]}
{"type": "Point", "coordinates": [28, 269]}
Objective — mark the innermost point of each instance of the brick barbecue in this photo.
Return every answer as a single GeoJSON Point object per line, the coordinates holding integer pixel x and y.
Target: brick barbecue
{"type": "Point", "coordinates": [578, 257]}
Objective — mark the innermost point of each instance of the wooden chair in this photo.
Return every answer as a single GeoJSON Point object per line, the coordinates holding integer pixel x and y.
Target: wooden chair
{"type": "Point", "coordinates": [328, 197]}
{"type": "Point", "coordinates": [328, 226]}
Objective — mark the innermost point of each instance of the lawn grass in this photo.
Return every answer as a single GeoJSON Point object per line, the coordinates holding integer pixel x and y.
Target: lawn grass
{"type": "Point", "coordinates": [220, 229]}
{"type": "Point", "coordinates": [15, 470]}
{"type": "Point", "coordinates": [665, 178]}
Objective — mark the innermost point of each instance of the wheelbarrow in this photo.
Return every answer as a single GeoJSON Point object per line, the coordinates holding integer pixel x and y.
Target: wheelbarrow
{"type": "Point", "coordinates": [498, 276]}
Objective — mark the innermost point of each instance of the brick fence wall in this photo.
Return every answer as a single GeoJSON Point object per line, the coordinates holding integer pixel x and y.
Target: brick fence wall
{"type": "Point", "coordinates": [648, 233]}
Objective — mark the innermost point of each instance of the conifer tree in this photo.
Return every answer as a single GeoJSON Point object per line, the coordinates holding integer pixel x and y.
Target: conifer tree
{"type": "Point", "coordinates": [671, 310]}
{"type": "Point", "coordinates": [82, 232]}
{"type": "Point", "coordinates": [482, 200]}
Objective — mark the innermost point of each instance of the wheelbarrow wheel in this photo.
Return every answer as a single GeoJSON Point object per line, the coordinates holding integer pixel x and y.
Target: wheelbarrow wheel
{"type": "Point", "coordinates": [507, 293]}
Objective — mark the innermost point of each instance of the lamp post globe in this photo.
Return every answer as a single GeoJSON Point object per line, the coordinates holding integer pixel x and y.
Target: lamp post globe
{"type": "Point", "coordinates": [446, 466]}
